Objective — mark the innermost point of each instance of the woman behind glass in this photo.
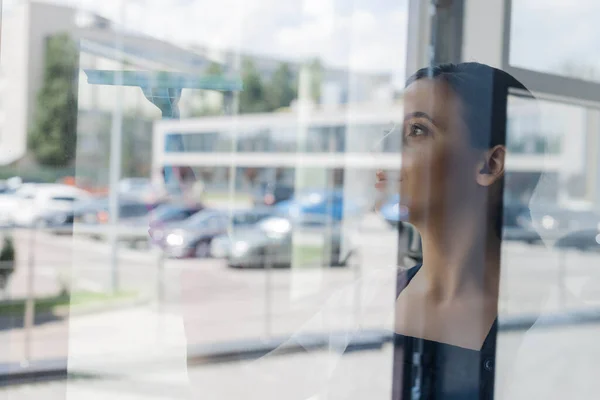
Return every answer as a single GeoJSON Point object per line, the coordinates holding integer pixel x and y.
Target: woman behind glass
{"type": "Point", "coordinates": [451, 181]}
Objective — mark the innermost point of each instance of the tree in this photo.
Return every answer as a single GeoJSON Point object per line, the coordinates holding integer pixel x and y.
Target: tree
{"type": "Point", "coordinates": [52, 138]}
{"type": "Point", "coordinates": [252, 98]}
{"type": "Point", "coordinates": [214, 69]}
{"type": "Point", "coordinates": [136, 147]}
{"type": "Point", "coordinates": [205, 108]}
{"type": "Point", "coordinates": [7, 261]}
{"type": "Point", "coordinates": [316, 70]}
{"type": "Point", "coordinates": [282, 88]}
{"type": "Point", "coordinates": [136, 153]}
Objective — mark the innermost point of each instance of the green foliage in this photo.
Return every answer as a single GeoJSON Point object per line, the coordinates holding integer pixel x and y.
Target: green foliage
{"type": "Point", "coordinates": [7, 260]}
{"type": "Point", "coordinates": [52, 138]}
{"type": "Point", "coordinates": [37, 174]}
{"type": "Point", "coordinates": [266, 95]}
{"type": "Point", "coordinates": [253, 97]}
{"type": "Point", "coordinates": [316, 78]}
{"type": "Point", "coordinates": [136, 146]}
{"type": "Point", "coordinates": [282, 88]}
{"type": "Point", "coordinates": [214, 69]}
{"type": "Point", "coordinates": [259, 96]}
{"type": "Point", "coordinates": [8, 250]}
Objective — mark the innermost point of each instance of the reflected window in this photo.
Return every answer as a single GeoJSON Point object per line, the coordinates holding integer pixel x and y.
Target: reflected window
{"type": "Point", "coordinates": [538, 25]}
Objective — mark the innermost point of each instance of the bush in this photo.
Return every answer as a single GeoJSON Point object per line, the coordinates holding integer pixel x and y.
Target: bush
{"type": "Point", "coordinates": [7, 261]}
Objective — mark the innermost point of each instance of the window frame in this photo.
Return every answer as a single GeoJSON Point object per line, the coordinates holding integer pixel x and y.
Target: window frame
{"type": "Point", "coordinates": [545, 85]}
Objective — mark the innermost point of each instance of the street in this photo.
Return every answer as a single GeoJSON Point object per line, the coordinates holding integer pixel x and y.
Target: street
{"type": "Point", "coordinates": [140, 351]}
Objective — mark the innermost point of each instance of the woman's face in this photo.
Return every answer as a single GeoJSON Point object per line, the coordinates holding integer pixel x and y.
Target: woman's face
{"type": "Point", "coordinates": [438, 174]}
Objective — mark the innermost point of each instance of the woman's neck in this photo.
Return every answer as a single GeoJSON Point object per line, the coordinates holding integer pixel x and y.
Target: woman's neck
{"type": "Point", "coordinates": [461, 257]}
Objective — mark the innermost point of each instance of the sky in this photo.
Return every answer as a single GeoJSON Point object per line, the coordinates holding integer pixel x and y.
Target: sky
{"type": "Point", "coordinates": [548, 35]}
{"type": "Point", "coordinates": [365, 35]}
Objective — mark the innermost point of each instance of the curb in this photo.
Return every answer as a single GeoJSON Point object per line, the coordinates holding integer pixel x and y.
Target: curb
{"type": "Point", "coordinates": [250, 349]}
{"type": "Point", "coordinates": [36, 371]}
{"type": "Point", "coordinates": [56, 370]}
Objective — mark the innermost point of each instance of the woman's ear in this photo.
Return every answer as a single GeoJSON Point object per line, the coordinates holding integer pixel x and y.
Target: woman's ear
{"type": "Point", "coordinates": [491, 168]}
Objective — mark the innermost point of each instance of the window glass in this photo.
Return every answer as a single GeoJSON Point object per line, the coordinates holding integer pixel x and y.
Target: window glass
{"type": "Point", "coordinates": [536, 23]}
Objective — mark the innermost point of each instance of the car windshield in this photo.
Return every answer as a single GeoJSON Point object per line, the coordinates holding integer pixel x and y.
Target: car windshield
{"type": "Point", "coordinates": [166, 212]}
{"type": "Point", "coordinates": [201, 218]}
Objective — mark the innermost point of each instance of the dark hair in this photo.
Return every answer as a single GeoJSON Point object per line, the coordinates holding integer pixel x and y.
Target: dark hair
{"type": "Point", "coordinates": [483, 91]}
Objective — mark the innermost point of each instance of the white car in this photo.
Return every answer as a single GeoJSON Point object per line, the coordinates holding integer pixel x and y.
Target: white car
{"type": "Point", "coordinates": [36, 200]}
{"type": "Point", "coordinates": [10, 200]}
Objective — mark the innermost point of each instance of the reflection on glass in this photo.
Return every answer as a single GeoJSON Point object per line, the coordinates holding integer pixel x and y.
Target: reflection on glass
{"type": "Point", "coordinates": [535, 24]}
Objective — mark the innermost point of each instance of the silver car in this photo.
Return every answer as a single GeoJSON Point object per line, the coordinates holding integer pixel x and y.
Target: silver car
{"type": "Point", "coordinates": [282, 242]}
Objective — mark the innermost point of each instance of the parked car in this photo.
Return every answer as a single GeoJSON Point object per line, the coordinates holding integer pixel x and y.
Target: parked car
{"type": "Point", "coordinates": [44, 198]}
{"type": "Point", "coordinates": [584, 240]}
{"type": "Point", "coordinates": [393, 212]}
{"type": "Point", "coordinates": [556, 224]}
{"type": "Point", "coordinates": [5, 188]}
{"type": "Point", "coordinates": [57, 221]}
{"type": "Point", "coordinates": [61, 221]}
{"type": "Point", "coordinates": [193, 237]}
{"type": "Point", "coordinates": [97, 211]}
{"type": "Point", "coordinates": [513, 209]}
{"type": "Point", "coordinates": [516, 222]}
{"type": "Point", "coordinates": [166, 216]}
{"type": "Point", "coordinates": [10, 200]}
{"type": "Point", "coordinates": [319, 203]}
{"type": "Point", "coordinates": [271, 194]}
{"type": "Point", "coordinates": [139, 188]}
{"type": "Point", "coordinates": [272, 242]}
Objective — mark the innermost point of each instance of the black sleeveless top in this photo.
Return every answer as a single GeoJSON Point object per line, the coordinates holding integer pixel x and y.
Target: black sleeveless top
{"type": "Point", "coordinates": [438, 371]}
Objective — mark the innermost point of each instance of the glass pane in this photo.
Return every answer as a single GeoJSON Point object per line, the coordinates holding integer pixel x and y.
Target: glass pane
{"type": "Point", "coordinates": [242, 200]}
{"type": "Point", "coordinates": [549, 283]}
{"type": "Point", "coordinates": [193, 257]}
{"type": "Point", "coordinates": [537, 24]}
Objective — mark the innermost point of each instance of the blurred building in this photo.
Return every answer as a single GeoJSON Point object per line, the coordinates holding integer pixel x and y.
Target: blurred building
{"type": "Point", "coordinates": [321, 147]}
{"type": "Point", "coordinates": [336, 135]}
{"type": "Point", "coordinates": [26, 27]}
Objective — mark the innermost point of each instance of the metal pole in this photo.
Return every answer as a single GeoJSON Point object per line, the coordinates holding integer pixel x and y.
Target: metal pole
{"type": "Point", "coordinates": [30, 302]}
{"type": "Point", "coordinates": [160, 277]}
{"type": "Point", "coordinates": [562, 276]}
{"type": "Point", "coordinates": [115, 157]}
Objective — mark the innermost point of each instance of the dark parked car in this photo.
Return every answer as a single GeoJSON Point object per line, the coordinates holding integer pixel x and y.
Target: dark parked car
{"type": "Point", "coordinates": [584, 240]}
{"type": "Point", "coordinates": [516, 221]}
{"type": "Point", "coordinates": [281, 242]}
{"type": "Point", "coordinates": [193, 237]}
{"type": "Point", "coordinates": [317, 203]}
{"type": "Point", "coordinates": [564, 226]}
{"type": "Point", "coordinates": [164, 217]}
{"type": "Point", "coordinates": [271, 194]}
{"type": "Point", "coordinates": [97, 211]}
{"type": "Point", "coordinates": [60, 222]}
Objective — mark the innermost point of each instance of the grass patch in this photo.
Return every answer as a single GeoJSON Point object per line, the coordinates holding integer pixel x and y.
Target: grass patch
{"type": "Point", "coordinates": [308, 255]}
{"type": "Point", "coordinates": [54, 304]}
